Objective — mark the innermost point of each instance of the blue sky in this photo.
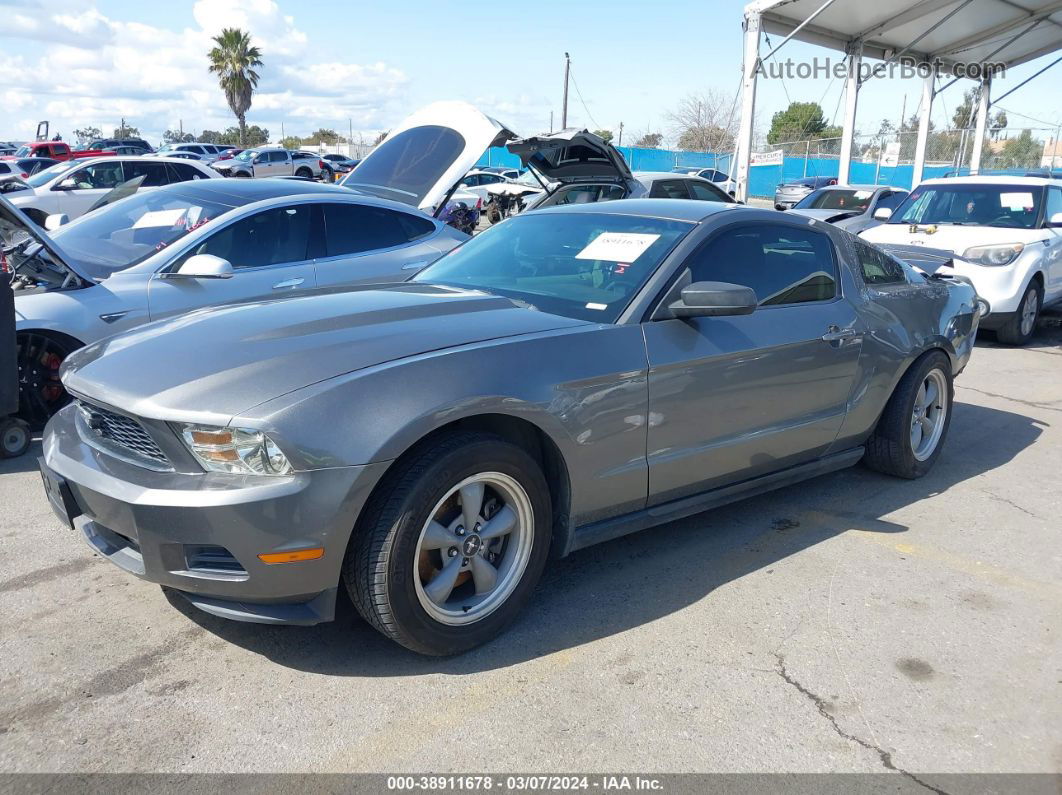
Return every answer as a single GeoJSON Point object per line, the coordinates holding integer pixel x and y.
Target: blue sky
{"type": "Point", "coordinates": [371, 63]}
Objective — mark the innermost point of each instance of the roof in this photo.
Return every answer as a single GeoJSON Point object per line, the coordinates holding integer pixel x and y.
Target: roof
{"type": "Point", "coordinates": [671, 209]}
{"type": "Point", "coordinates": [245, 191]}
{"type": "Point", "coordinates": [1010, 32]}
{"type": "Point", "coordinates": [993, 180]}
{"type": "Point", "coordinates": [667, 175]}
{"type": "Point", "coordinates": [861, 187]}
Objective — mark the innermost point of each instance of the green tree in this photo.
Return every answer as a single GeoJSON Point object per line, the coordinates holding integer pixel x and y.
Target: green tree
{"type": "Point", "coordinates": [88, 133]}
{"type": "Point", "coordinates": [246, 138]}
{"type": "Point", "coordinates": [177, 137]}
{"type": "Point", "coordinates": [291, 142]}
{"type": "Point", "coordinates": [799, 122]}
{"type": "Point", "coordinates": [126, 132]}
{"type": "Point", "coordinates": [649, 141]}
{"type": "Point", "coordinates": [1021, 152]}
{"type": "Point", "coordinates": [234, 60]}
{"type": "Point", "coordinates": [964, 112]}
{"type": "Point", "coordinates": [322, 136]}
{"type": "Point", "coordinates": [209, 137]}
{"type": "Point", "coordinates": [605, 135]}
{"type": "Point", "coordinates": [705, 138]}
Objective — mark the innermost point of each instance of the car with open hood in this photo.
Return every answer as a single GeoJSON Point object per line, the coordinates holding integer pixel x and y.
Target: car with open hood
{"type": "Point", "coordinates": [850, 207]}
{"type": "Point", "coordinates": [569, 376]}
{"type": "Point", "coordinates": [1003, 233]}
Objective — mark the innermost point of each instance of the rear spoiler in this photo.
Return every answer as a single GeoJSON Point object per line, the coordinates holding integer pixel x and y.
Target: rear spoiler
{"type": "Point", "coordinates": [927, 260]}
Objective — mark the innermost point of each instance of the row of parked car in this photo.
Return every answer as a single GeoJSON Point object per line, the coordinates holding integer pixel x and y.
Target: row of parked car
{"type": "Point", "coordinates": [377, 402]}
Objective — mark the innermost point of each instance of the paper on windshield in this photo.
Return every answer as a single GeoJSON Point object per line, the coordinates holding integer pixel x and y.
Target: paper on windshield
{"type": "Point", "coordinates": [862, 194]}
{"type": "Point", "coordinates": [157, 218]}
{"type": "Point", "coordinates": [1016, 201]}
{"type": "Point", "coordinates": [617, 246]}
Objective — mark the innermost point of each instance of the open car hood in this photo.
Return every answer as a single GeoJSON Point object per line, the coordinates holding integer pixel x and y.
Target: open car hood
{"type": "Point", "coordinates": [571, 155]}
{"type": "Point", "coordinates": [22, 242]}
{"type": "Point", "coordinates": [424, 158]}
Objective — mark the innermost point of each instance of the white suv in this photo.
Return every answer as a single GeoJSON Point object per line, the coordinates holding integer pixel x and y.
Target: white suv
{"type": "Point", "coordinates": [1005, 234]}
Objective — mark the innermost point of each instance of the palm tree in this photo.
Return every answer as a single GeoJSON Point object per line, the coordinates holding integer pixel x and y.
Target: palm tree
{"type": "Point", "coordinates": [233, 61]}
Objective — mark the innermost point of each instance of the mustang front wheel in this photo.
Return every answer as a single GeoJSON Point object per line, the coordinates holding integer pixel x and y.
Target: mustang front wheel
{"type": "Point", "coordinates": [452, 544]}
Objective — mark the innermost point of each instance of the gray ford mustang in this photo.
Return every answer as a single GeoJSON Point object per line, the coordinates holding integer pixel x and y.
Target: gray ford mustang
{"type": "Point", "coordinates": [566, 377]}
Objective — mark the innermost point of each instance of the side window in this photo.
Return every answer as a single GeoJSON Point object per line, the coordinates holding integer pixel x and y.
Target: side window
{"type": "Point", "coordinates": [706, 192]}
{"type": "Point", "coordinates": [669, 189]}
{"type": "Point", "coordinates": [182, 172]}
{"type": "Point", "coordinates": [195, 150]}
{"type": "Point", "coordinates": [278, 157]}
{"type": "Point", "coordinates": [355, 228]}
{"type": "Point", "coordinates": [107, 174]}
{"type": "Point", "coordinates": [154, 174]}
{"type": "Point", "coordinates": [271, 237]}
{"type": "Point", "coordinates": [1054, 203]}
{"type": "Point", "coordinates": [782, 264]}
{"type": "Point", "coordinates": [892, 200]}
{"type": "Point", "coordinates": [471, 180]}
{"type": "Point", "coordinates": [61, 149]}
{"type": "Point", "coordinates": [876, 266]}
{"type": "Point", "coordinates": [489, 179]}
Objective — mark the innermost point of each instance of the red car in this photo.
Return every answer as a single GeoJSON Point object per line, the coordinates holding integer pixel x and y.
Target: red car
{"type": "Point", "coordinates": [56, 150]}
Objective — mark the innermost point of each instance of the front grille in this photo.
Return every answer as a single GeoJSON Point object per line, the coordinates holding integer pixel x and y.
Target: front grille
{"type": "Point", "coordinates": [120, 435]}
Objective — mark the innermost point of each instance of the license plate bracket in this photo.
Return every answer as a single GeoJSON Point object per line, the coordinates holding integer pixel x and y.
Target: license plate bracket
{"type": "Point", "coordinates": [59, 494]}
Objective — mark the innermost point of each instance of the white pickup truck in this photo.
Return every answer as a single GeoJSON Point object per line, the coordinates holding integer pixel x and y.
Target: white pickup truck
{"type": "Point", "coordinates": [270, 162]}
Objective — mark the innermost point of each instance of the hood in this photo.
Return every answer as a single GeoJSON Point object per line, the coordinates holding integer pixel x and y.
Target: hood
{"type": "Point", "coordinates": [829, 216]}
{"type": "Point", "coordinates": [928, 260]}
{"type": "Point", "coordinates": [220, 362]}
{"type": "Point", "coordinates": [425, 156]}
{"type": "Point", "coordinates": [951, 237]}
{"type": "Point", "coordinates": [21, 243]}
{"type": "Point", "coordinates": [571, 155]}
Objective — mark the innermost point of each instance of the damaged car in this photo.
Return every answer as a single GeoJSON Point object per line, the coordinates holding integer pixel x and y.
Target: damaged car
{"type": "Point", "coordinates": [565, 378]}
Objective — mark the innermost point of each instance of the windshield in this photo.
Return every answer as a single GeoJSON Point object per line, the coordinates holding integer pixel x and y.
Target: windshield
{"type": "Point", "coordinates": [1007, 206]}
{"type": "Point", "coordinates": [586, 266]}
{"type": "Point", "coordinates": [856, 201]}
{"type": "Point", "coordinates": [50, 173]}
{"type": "Point", "coordinates": [246, 154]}
{"type": "Point", "coordinates": [127, 232]}
{"type": "Point", "coordinates": [24, 151]}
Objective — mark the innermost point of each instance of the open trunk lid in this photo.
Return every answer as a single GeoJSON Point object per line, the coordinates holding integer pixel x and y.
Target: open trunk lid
{"type": "Point", "coordinates": [424, 158]}
{"type": "Point", "coordinates": [571, 155]}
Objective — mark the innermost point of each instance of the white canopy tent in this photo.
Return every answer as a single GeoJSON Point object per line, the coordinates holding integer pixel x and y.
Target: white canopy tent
{"type": "Point", "coordinates": [942, 34]}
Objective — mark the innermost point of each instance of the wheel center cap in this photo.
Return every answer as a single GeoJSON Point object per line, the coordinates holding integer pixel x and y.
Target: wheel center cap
{"type": "Point", "coordinates": [472, 545]}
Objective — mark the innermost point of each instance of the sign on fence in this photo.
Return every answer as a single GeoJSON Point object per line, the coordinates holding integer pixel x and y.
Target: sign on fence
{"type": "Point", "coordinates": [767, 158]}
{"type": "Point", "coordinates": [890, 155]}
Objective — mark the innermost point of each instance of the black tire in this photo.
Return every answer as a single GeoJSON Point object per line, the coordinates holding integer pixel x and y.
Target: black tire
{"type": "Point", "coordinates": [14, 437]}
{"type": "Point", "coordinates": [889, 448]}
{"type": "Point", "coordinates": [41, 393]}
{"type": "Point", "coordinates": [305, 173]}
{"type": "Point", "coordinates": [379, 565]}
{"type": "Point", "coordinates": [1010, 333]}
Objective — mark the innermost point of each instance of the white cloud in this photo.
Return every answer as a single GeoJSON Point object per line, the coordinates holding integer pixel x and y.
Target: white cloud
{"type": "Point", "coordinates": [93, 71]}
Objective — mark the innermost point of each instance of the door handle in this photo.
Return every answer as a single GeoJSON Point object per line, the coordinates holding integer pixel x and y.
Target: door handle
{"type": "Point", "coordinates": [411, 265]}
{"type": "Point", "coordinates": [288, 283]}
{"type": "Point", "coordinates": [836, 333]}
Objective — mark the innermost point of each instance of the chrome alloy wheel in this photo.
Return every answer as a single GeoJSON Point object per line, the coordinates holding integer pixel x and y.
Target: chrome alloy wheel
{"type": "Point", "coordinates": [930, 412]}
{"type": "Point", "coordinates": [1029, 309]}
{"type": "Point", "coordinates": [473, 549]}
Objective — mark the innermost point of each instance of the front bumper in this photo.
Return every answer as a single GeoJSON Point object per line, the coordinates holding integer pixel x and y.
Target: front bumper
{"type": "Point", "coordinates": [201, 534]}
{"type": "Point", "coordinates": [1001, 286]}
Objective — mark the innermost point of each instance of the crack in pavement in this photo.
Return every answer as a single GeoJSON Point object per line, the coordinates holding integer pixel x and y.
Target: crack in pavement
{"type": "Point", "coordinates": [1011, 503]}
{"type": "Point", "coordinates": [1031, 403]}
{"type": "Point", "coordinates": [884, 756]}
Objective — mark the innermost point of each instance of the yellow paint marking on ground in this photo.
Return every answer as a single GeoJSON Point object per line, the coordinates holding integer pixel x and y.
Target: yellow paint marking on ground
{"type": "Point", "coordinates": [888, 532]}
{"type": "Point", "coordinates": [389, 748]}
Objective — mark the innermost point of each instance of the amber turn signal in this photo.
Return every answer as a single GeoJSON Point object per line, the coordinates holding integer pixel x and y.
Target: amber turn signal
{"type": "Point", "coordinates": [292, 557]}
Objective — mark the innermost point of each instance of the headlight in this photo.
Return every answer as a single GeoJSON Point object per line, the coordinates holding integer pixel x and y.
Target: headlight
{"type": "Point", "coordinates": [240, 450]}
{"type": "Point", "coordinates": [993, 255]}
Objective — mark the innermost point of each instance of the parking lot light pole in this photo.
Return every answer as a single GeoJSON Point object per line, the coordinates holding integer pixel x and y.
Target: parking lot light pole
{"type": "Point", "coordinates": [564, 107]}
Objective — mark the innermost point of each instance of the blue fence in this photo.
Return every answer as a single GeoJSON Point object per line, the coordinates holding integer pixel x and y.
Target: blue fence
{"type": "Point", "coordinates": [762, 179]}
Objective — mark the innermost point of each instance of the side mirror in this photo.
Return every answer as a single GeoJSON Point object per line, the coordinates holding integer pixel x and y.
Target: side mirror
{"type": "Point", "coordinates": [205, 266]}
{"type": "Point", "coordinates": [55, 221]}
{"type": "Point", "coordinates": [882, 214]}
{"type": "Point", "coordinates": [1055, 220]}
{"type": "Point", "coordinates": [67, 184]}
{"type": "Point", "coordinates": [258, 160]}
{"type": "Point", "coordinates": [710, 299]}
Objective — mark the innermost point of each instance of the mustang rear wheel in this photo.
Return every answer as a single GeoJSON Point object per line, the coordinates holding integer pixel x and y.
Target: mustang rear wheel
{"type": "Point", "coordinates": [451, 545]}
{"type": "Point", "coordinates": [910, 434]}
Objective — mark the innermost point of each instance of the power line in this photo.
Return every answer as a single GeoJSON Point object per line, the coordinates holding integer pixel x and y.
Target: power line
{"type": "Point", "coordinates": [1023, 116]}
{"type": "Point", "coordinates": [579, 94]}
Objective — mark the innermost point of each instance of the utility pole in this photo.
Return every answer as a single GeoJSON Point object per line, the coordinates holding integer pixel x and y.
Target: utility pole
{"type": "Point", "coordinates": [620, 135]}
{"type": "Point", "coordinates": [551, 121]}
{"type": "Point", "coordinates": [350, 137]}
{"type": "Point", "coordinates": [564, 108]}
